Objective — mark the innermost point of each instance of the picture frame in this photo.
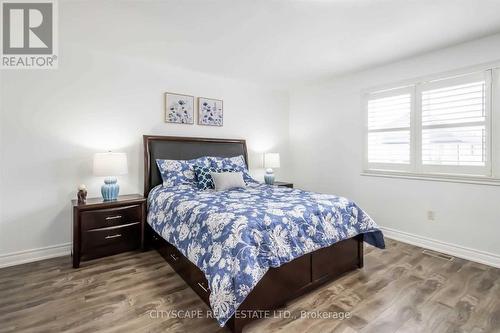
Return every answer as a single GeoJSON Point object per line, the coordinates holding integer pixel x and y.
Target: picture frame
{"type": "Point", "coordinates": [179, 108]}
{"type": "Point", "coordinates": [210, 111]}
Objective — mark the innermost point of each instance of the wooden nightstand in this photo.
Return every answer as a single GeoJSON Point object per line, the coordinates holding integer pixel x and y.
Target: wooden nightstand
{"type": "Point", "coordinates": [102, 228]}
{"type": "Point", "coordinates": [283, 184]}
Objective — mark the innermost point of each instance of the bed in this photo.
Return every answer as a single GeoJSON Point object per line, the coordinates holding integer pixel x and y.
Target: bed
{"type": "Point", "coordinates": [245, 275]}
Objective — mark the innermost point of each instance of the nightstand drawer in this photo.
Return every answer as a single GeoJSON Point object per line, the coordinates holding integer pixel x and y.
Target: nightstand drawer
{"type": "Point", "coordinates": [103, 218]}
{"type": "Point", "coordinates": [128, 234]}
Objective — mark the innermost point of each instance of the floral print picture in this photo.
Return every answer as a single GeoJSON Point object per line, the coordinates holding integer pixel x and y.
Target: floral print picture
{"type": "Point", "coordinates": [179, 108]}
{"type": "Point", "coordinates": [210, 111]}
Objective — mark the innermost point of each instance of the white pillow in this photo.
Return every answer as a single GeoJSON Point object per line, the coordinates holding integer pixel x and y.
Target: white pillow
{"type": "Point", "coordinates": [227, 180]}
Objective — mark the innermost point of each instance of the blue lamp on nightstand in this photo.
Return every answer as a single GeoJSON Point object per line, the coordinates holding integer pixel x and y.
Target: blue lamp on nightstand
{"type": "Point", "coordinates": [110, 165]}
{"type": "Point", "coordinates": [271, 160]}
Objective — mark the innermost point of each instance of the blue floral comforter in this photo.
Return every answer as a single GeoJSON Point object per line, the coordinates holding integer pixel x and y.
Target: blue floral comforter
{"type": "Point", "coordinates": [235, 236]}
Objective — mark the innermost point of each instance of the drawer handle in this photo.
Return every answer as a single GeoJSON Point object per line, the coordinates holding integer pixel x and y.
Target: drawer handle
{"type": "Point", "coordinates": [113, 217]}
{"type": "Point", "coordinates": [174, 257]}
{"type": "Point", "coordinates": [114, 236]}
{"type": "Point", "coordinates": [202, 287]}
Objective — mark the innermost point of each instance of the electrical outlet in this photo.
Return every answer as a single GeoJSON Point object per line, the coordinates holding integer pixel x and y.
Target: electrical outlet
{"type": "Point", "coordinates": [431, 215]}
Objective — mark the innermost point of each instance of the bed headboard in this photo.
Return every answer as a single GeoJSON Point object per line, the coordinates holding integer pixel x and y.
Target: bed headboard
{"type": "Point", "coordinates": [184, 148]}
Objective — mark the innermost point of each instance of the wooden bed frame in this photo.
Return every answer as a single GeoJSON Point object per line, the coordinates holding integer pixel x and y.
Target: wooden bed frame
{"type": "Point", "coordinates": [279, 285]}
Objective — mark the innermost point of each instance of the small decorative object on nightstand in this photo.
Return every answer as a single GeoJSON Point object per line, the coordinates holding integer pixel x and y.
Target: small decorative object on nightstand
{"type": "Point", "coordinates": [82, 194]}
{"type": "Point", "coordinates": [110, 165]}
{"type": "Point", "coordinates": [283, 184]}
{"type": "Point", "coordinates": [102, 228]}
{"type": "Point", "coordinates": [271, 160]}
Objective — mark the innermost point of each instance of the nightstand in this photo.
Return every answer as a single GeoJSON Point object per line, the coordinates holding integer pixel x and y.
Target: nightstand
{"type": "Point", "coordinates": [102, 228]}
{"type": "Point", "coordinates": [283, 184]}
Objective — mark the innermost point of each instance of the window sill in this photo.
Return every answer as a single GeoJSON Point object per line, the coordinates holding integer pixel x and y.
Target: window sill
{"type": "Point", "coordinates": [465, 179]}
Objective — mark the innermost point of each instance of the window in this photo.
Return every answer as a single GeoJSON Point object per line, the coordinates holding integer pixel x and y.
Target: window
{"type": "Point", "coordinates": [389, 118]}
{"type": "Point", "coordinates": [454, 125]}
{"type": "Point", "coordinates": [439, 127]}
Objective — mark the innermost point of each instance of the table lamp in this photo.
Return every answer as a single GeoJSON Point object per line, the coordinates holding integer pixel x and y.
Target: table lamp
{"type": "Point", "coordinates": [271, 160]}
{"type": "Point", "coordinates": [110, 165]}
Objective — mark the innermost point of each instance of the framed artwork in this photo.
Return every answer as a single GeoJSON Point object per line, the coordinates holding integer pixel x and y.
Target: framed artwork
{"type": "Point", "coordinates": [210, 111]}
{"type": "Point", "coordinates": [179, 109]}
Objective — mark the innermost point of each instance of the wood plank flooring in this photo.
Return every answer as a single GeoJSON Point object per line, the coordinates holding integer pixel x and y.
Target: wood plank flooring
{"type": "Point", "coordinates": [399, 290]}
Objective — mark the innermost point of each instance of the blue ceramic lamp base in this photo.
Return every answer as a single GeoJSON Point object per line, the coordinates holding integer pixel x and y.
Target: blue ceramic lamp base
{"type": "Point", "coordinates": [110, 189]}
{"type": "Point", "coordinates": [269, 177]}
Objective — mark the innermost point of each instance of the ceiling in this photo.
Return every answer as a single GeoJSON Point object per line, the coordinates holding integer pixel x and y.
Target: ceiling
{"type": "Point", "coordinates": [280, 41]}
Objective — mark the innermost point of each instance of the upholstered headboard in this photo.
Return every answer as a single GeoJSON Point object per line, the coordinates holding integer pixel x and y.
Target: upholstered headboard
{"type": "Point", "coordinates": [184, 148]}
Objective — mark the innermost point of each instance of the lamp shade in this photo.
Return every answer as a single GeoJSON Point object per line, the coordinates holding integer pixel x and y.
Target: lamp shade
{"type": "Point", "coordinates": [110, 164]}
{"type": "Point", "coordinates": [271, 160]}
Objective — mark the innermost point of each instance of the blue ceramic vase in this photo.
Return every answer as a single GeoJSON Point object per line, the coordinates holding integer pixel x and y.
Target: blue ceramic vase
{"type": "Point", "coordinates": [269, 177]}
{"type": "Point", "coordinates": [110, 189]}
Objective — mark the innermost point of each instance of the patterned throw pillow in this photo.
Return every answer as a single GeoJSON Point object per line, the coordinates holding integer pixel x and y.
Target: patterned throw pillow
{"type": "Point", "coordinates": [228, 162]}
{"type": "Point", "coordinates": [176, 172]}
{"type": "Point", "coordinates": [204, 180]}
{"type": "Point", "coordinates": [236, 163]}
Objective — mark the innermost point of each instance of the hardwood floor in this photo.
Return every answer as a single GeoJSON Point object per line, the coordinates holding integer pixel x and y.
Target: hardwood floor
{"type": "Point", "coordinates": [399, 290]}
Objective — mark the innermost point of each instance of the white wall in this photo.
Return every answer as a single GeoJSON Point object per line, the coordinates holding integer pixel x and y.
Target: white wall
{"type": "Point", "coordinates": [52, 122]}
{"type": "Point", "coordinates": [326, 134]}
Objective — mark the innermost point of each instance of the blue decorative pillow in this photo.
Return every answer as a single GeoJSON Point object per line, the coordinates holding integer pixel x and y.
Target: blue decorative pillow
{"type": "Point", "coordinates": [176, 172]}
{"type": "Point", "coordinates": [236, 163]}
{"type": "Point", "coordinates": [204, 180]}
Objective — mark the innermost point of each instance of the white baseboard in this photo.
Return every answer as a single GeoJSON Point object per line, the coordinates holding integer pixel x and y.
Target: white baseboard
{"type": "Point", "coordinates": [22, 257]}
{"type": "Point", "coordinates": [447, 248]}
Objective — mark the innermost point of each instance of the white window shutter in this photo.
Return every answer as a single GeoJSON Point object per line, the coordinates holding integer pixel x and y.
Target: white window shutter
{"type": "Point", "coordinates": [389, 120]}
{"type": "Point", "coordinates": [454, 119]}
